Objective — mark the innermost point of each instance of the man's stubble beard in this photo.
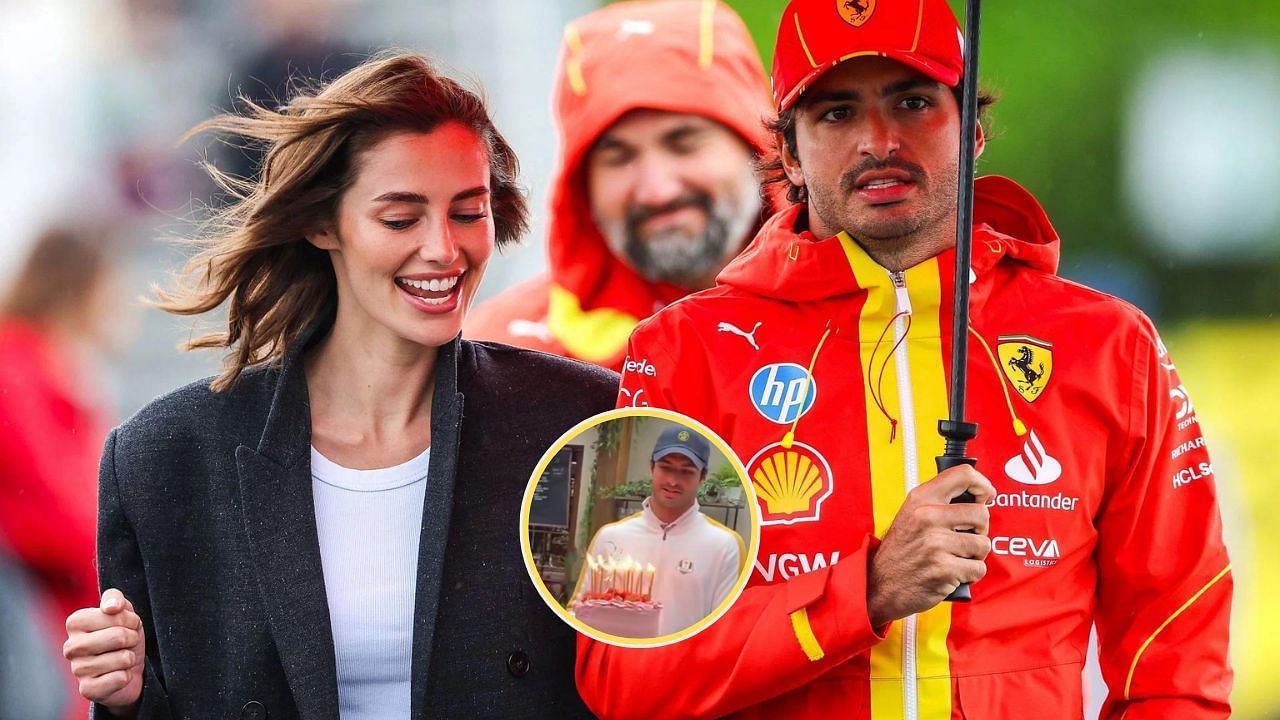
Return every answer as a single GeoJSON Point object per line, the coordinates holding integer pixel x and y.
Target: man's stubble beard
{"type": "Point", "coordinates": [897, 243]}
{"type": "Point", "coordinates": [673, 256]}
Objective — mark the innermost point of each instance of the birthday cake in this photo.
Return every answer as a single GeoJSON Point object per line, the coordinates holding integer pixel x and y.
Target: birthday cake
{"type": "Point", "coordinates": [618, 599]}
{"type": "Point", "coordinates": [616, 615]}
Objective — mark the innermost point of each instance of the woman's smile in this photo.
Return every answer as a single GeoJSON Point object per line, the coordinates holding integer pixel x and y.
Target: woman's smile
{"type": "Point", "coordinates": [431, 294]}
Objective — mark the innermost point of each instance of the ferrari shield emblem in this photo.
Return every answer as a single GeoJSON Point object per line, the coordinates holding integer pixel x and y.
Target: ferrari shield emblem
{"type": "Point", "coordinates": [855, 12]}
{"type": "Point", "coordinates": [1027, 362]}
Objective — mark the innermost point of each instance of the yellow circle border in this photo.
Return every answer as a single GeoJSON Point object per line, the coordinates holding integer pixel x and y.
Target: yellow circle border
{"type": "Point", "coordinates": [748, 565]}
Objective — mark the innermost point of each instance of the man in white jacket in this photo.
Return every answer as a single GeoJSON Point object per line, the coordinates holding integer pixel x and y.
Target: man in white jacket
{"type": "Point", "coordinates": [696, 559]}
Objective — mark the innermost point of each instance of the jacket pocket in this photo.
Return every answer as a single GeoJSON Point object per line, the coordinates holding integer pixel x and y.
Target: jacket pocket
{"type": "Point", "coordinates": [1047, 693]}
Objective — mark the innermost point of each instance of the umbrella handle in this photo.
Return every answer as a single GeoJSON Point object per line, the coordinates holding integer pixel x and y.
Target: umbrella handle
{"type": "Point", "coordinates": [958, 435]}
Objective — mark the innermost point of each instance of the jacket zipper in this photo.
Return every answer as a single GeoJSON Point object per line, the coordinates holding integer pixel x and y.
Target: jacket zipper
{"type": "Point", "coordinates": [911, 473]}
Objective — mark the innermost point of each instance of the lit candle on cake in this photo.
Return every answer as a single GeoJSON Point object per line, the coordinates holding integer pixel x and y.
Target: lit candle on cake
{"type": "Point", "coordinates": [650, 571]}
{"type": "Point", "coordinates": [594, 569]}
{"type": "Point", "coordinates": [610, 572]}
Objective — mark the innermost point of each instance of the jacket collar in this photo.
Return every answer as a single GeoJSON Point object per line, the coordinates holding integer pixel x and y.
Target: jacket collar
{"type": "Point", "coordinates": [437, 511]}
{"type": "Point", "coordinates": [681, 523]}
{"type": "Point", "coordinates": [284, 545]}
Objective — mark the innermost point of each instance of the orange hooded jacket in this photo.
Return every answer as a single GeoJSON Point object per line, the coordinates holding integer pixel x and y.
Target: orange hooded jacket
{"type": "Point", "coordinates": [827, 375]}
{"type": "Point", "coordinates": [683, 56]}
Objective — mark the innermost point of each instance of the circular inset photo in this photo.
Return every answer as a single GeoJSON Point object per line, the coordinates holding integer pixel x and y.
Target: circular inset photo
{"type": "Point", "coordinates": [639, 528]}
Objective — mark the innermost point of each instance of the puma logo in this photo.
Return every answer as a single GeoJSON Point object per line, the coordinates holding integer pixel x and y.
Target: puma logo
{"type": "Point", "coordinates": [750, 336]}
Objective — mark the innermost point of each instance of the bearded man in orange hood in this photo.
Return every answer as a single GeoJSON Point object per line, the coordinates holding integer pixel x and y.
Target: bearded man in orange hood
{"type": "Point", "coordinates": [660, 108]}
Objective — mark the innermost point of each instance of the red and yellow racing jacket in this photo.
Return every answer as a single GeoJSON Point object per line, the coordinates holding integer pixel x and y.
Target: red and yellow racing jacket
{"type": "Point", "coordinates": [827, 374]}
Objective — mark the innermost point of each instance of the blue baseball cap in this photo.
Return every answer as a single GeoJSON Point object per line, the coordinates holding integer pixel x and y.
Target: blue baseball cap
{"type": "Point", "coordinates": [682, 441]}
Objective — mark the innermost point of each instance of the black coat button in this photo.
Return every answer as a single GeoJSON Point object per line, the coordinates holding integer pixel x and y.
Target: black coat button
{"type": "Point", "coordinates": [518, 663]}
{"type": "Point", "coordinates": [253, 710]}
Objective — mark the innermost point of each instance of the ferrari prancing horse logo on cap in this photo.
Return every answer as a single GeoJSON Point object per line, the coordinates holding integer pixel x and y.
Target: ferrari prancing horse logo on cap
{"type": "Point", "coordinates": [855, 12]}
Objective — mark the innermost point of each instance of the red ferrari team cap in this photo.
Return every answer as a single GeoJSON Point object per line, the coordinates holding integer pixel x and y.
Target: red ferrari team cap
{"type": "Point", "coordinates": [816, 35]}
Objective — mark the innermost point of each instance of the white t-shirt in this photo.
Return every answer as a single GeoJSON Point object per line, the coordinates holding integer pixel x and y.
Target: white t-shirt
{"type": "Point", "coordinates": [369, 523]}
{"type": "Point", "coordinates": [697, 561]}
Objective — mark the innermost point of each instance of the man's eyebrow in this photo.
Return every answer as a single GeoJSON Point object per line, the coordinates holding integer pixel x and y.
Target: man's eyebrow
{"type": "Point", "coordinates": [911, 83]}
{"type": "Point", "coordinates": [401, 196]}
{"type": "Point", "coordinates": [683, 131]}
{"type": "Point", "coordinates": [832, 96]}
{"type": "Point", "coordinates": [608, 142]}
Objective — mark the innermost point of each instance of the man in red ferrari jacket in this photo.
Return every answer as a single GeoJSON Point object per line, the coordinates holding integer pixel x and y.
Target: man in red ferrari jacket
{"type": "Point", "coordinates": [659, 106]}
{"type": "Point", "coordinates": [822, 357]}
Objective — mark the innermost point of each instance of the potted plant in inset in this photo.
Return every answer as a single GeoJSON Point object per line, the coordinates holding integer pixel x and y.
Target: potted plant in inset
{"type": "Point", "coordinates": [630, 490]}
{"type": "Point", "coordinates": [722, 486]}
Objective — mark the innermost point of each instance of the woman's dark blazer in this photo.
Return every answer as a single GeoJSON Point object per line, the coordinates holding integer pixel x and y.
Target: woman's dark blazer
{"type": "Point", "coordinates": [207, 524]}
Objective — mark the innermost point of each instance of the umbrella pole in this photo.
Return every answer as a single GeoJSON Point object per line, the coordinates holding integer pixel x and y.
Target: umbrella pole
{"type": "Point", "coordinates": [955, 430]}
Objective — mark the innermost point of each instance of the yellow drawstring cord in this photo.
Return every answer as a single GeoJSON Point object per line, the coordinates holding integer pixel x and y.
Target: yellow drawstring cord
{"type": "Point", "coordinates": [1019, 429]}
{"type": "Point", "coordinates": [790, 437]}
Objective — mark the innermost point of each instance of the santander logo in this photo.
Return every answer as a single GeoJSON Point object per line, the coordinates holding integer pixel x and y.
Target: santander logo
{"type": "Point", "coordinates": [1034, 466]}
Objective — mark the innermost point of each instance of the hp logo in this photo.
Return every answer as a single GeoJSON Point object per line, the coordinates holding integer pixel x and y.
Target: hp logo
{"type": "Point", "coordinates": [779, 392]}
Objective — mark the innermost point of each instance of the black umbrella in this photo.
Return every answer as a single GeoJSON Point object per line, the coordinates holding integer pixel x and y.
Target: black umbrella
{"type": "Point", "coordinates": [955, 429]}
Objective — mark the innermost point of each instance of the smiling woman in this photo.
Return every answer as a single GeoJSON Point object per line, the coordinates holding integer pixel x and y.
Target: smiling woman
{"type": "Point", "coordinates": [367, 159]}
{"type": "Point", "coordinates": [318, 532]}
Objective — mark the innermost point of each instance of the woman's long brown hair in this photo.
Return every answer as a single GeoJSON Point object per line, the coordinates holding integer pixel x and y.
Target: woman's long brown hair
{"type": "Point", "coordinates": [254, 255]}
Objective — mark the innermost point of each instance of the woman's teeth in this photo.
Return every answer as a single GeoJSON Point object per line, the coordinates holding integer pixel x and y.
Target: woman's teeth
{"type": "Point", "coordinates": [435, 291]}
{"type": "Point", "coordinates": [434, 284]}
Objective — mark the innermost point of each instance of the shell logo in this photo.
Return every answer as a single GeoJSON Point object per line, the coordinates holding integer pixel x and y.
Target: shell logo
{"type": "Point", "coordinates": [791, 483]}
